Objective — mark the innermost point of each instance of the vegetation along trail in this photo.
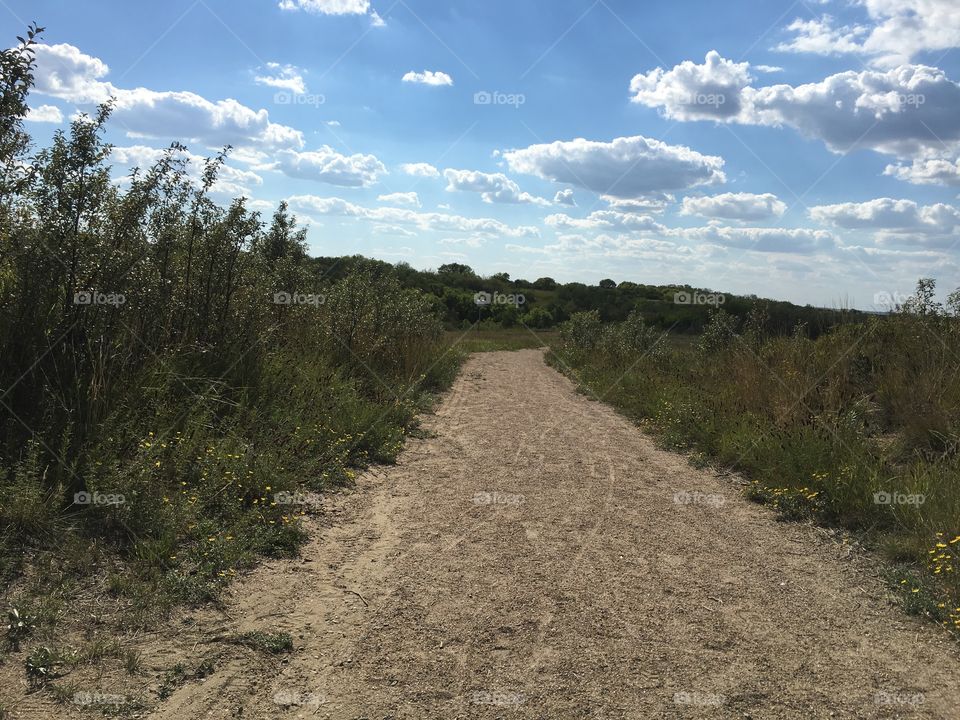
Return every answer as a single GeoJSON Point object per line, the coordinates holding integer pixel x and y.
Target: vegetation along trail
{"type": "Point", "coordinates": [534, 555]}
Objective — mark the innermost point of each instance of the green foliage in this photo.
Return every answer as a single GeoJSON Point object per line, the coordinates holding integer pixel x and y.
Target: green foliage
{"type": "Point", "coordinates": [42, 665]}
{"type": "Point", "coordinates": [268, 642]}
{"type": "Point", "coordinates": [173, 365]}
{"type": "Point", "coordinates": [830, 428]}
{"type": "Point", "coordinates": [19, 626]}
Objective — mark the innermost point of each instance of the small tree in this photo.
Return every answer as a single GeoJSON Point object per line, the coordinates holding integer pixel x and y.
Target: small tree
{"type": "Point", "coordinates": [923, 302]}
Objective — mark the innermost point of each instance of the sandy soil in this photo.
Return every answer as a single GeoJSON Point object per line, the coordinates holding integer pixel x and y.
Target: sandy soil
{"type": "Point", "coordinates": [536, 556]}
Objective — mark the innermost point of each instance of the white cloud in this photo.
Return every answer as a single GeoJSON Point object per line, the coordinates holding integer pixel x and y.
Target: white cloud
{"type": "Point", "coordinates": [564, 197]}
{"type": "Point", "coordinates": [768, 68]}
{"type": "Point", "coordinates": [441, 222]}
{"type": "Point", "coordinates": [606, 220]}
{"type": "Point", "coordinates": [694, 92]}
{"type": "Point", "coordinates": [284, 77]}
{"type": "Point", "coordinates": [420, 169]}
{"type": "Point", "coordinates": [428, 77]}
{"type": "Point", "coordinates": [823, 37]}
{"type": "Point", "coordinates": [909, 111]}
{"type": "Point", "coordinates": [651, 203]}
{"type": "Point", "coordinates": [927, 172]}
{"type": "Point", "coordinates": [410, 199]}
{"type": "Point", "coordinates": [65, 72]}
{"type": "Point", "coordinates": [231, 181]}
{"type": "Point", "coordinates": [45, 114]}
{"type": "Point", "coordinates": [327, 7]}
{"type": "Point", "coordinates": [894, 31]}
{"type": "Point", "coordinates": [626, 167]}
{"type": "Point", "coordinates": [895, 220]}
{"type": "Point", "coordinates": [328, 166]}
{"type": "Point", "coordinates": [493, 187]}
{"type": "Point", "coordinates": [735, 206]}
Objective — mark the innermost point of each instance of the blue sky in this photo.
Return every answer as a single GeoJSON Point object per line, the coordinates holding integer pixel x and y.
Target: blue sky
{"type": "Point", "coordinates": [805, 151]}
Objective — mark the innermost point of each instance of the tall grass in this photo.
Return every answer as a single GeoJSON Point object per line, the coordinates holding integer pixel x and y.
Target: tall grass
{"type": "Point", "coordinates": [859, 428]}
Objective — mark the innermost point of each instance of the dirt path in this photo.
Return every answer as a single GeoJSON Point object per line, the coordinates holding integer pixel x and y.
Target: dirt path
{"type": "Point", "coordinates": [530, 560]}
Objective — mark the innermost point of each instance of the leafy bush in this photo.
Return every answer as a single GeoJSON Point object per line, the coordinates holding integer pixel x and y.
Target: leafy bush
{"type": "Point", "coordinates": [174, 365]}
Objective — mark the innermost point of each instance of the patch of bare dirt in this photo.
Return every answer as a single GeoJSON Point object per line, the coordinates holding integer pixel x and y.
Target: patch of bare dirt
{"type": "Point", "coordinates": [538, 557]}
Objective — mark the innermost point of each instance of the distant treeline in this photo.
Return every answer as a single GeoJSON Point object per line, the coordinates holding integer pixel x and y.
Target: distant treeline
{"type": "Point", "coordinates": [544, 303]}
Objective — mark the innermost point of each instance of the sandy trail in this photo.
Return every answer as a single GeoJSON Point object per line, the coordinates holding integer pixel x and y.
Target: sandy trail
{"type": "Point", "coordinates": [529, 560]}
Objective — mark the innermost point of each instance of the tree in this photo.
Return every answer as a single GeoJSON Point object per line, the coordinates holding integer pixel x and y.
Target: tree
{"type": "Point", "coordinates": [607, 283]}
{"type": "Point", "coordinates": [923, 302]}
{"type": "Point", "coordinates": [545, 283]}
{"type": "Point", "coordinates": [16, 77]}
{"type": "Point", "coordinates": [456, 268]}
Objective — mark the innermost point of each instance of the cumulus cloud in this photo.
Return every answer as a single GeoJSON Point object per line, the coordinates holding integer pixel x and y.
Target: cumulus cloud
{"type": "Point", "coordinates": [895, 220]}
{"type": "Point", "coordinates": [65, 72]}
{"type": "Point", "coordinates": [909, 111]}
{"type": "Point", "coordinates": [420, 169]}
{"type": "Point", "coordinates": [893, 32]}
{"type": "Point", "coordinates": [927, 172]}
{"type": "Point", "coordinates": [626, 167]}
{"type": "Point", "coordinates": [493, 187]}
{"type": "Point", "coordinates": [329, 166]}
{"type": "Point", "coordinates": [564, 197]}
{"type": "Point", "coordinates": [442, 222]}
{"type": "Point", "coordinates": [428, 77]}
{"type": "Point", "coordinates": [327, 7]}
{"type": "Point", "coordinates": [694, 92]}
{"type": "Point", "coordinates": [651, 203]}
{"type": "Point", "coordinates": [231, 181]}
{"type": "Point", "coordinates": [606, 220]}
{"type": "Point", "coordinates": [735, 206]}
{"type": "Point", "coordinates": [410, 199]}
{"type": "Point", "coordinates": [284, 77]}
{"type": "Point", "coordinates": [45, 114]}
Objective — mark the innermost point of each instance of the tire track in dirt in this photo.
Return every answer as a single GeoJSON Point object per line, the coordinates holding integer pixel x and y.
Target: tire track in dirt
{"type": "Point", "coordinates": [528, 559]}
